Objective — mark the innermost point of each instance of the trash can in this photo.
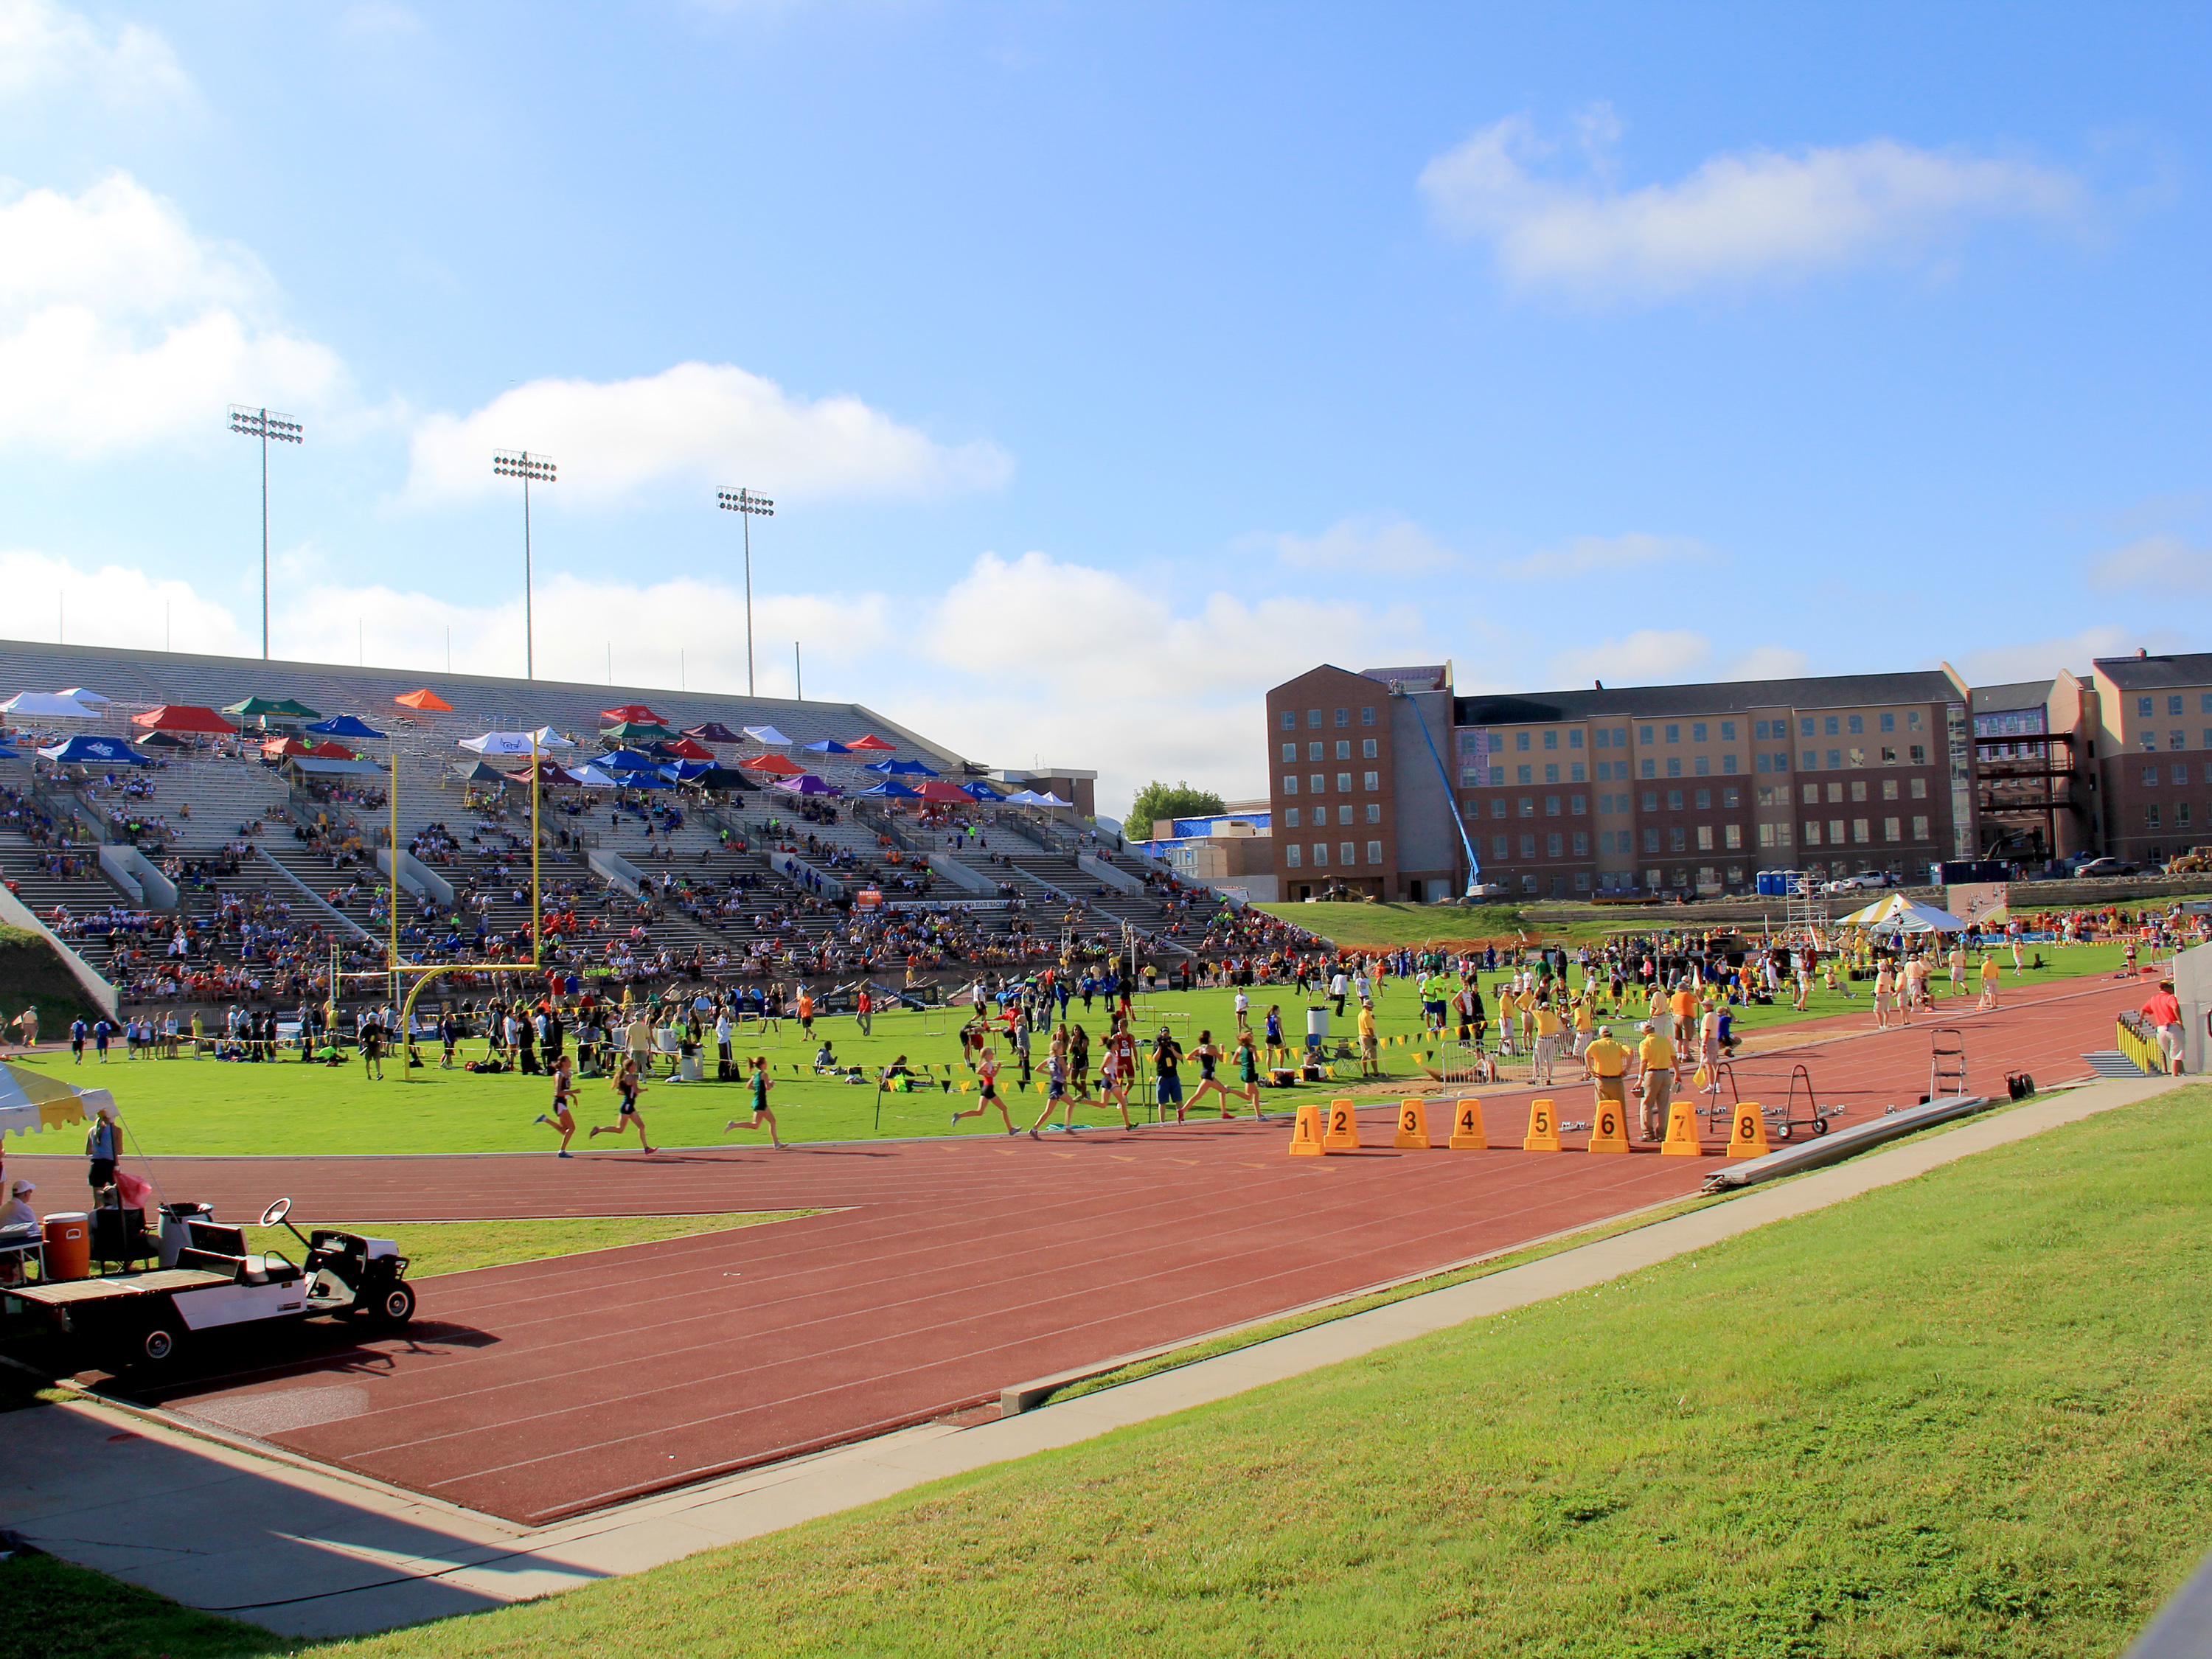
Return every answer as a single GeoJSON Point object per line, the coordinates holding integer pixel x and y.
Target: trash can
{"type": "Point", "coordinates": [69, 1245]}
{"type": "Point", "coordinates": [1316, 1027]}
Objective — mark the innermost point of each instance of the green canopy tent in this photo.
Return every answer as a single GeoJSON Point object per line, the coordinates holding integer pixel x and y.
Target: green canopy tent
{"type": "Point", "coordinates": [626, 732]}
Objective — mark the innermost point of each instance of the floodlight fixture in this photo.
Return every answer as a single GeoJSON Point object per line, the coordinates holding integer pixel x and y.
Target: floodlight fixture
{"type": "Point", "coordinates": [749, 506]}
{"type": "Point", "coordinates": [530, 469]}
{"type": "Point", "coordinates": [266, 424]}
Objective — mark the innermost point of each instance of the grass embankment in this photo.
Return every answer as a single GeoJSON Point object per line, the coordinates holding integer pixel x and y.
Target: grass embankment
{"type": "Point", "coordinates": [32, 975]}
{"type": "Point", "coordinates": [181, 1107]}
{"type": "Point", "coordinates": [453, 1246]}
{"type": "Point", "coordinates": [1966, 1414]}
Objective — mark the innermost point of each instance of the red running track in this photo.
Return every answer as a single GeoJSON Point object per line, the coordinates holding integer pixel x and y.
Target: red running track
{"type": "Point", "coordinates": [941, 1273]}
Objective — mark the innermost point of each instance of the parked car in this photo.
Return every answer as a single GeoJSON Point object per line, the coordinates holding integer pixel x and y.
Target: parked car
{"type": "Point", "coordinates": [2104, 867]}
{"type": "Point", "coordinates": [1861, 882]}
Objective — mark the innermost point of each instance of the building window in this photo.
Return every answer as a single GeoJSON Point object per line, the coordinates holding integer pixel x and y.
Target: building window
{"type": "Point", "coordinates": [1762, 764]}
{"type": "Point", "coordinates": [1647, 734]}
{"type": "Point", "coordinates": [1649, 770]}
{"type": "Point", "coordinates": [1316, 782]}
{"type": "Point", "coordinates": [1674, 801]}
{"type": "Point", "coordinates": [1578, 805]}
{"type": "Point", "coordinates": [1835, 832]}
{"type": "Point", "coordinates": [1470, 777]}
{"type": "Point", "coordinates": [1812, 832]}
{"type": "Point", "coordinates": [1374, 812]}
{"type": "Point", "coordinates": [1313, 720]}
{"type": "Point", "coordinates": [1766, 835]}
{"type": "Point", "coordinates": [1912, 719]}
{"type": "Point", "coordinates": [1782, 835]}
{"type": "Point", "coordinates": [1343, 748]}
{"type": "Point", "coordinates": [1313, 751]}
{"type": "Point", "coordinates": [2151, 816]}
{"type": "Point", "coordinates": [1919, 791]}
{"type": "Point", "coordinates": [1704, 838]}
{"type": "Point", "coordinates": [1321, 852]}
{"type": "Point", "coordinates": [2181, 816]}
{"type": "Point", "coordinates": [1831, 726]}
{"type": "Point", "coordinates": [2150, 776]}
{"type": "Point", "coordinates": [1520, 741]}
{"type": "Point", "coordinates": [1651, 801]}
{"type": "Point", "coordinates": [1730, 796]}
{"type": "Point", "coordinates": [1651, 840]}
{"type": "Point", "coordinates": [1889, 722]}
{"type": "Point", "coordinates": [1290, 720]}
{"type": "Point", "coordinates": [1291, 818]}
{"type": "Point", "coordinates": [1528, 846]}
{"type": "Point", "coordinates": [1550, 740]}
{"type": "Point", "coordinates": [1552, 772]}
{"type": "Point", "coordinates": [1524, 775]}
{"type": "Point", "coordinates": [1375, 852]}
{"type": "Point", "coordinates": [1294, 855]}
{"type": "Point", "coordinates": [1289, 751]}
{"type": "Point", "coordinates": [1702, 766]}
{"type": "Point", "coordinates": [2175, 740]}
{"type": "Point", "coordinates": [1728, 765]}
{"type": "Point", "coordinates": [2150, 743]}
{"type": "Point", "coordinates": [1859, 725]}
{"type": "Point", "coordinates": [1704, 800]}
{"type": "Point", "coordinates": [1697, 731]}
{"type": "Point", "coordinates": [1581, 843]}
{"type": "Point", "coordinates": [1527, 805]}
{"type": "Point", "coordinates": [1892, 829]}
{"type": "Point", "coordinates": [1367, 717]}
{"type": "Point", "coordinates": [1497, 777]}
{"type": "Point", "coordinates": [1673, 766]}
{"type": "Point", "coordinates": [1673, 734]}
{"type": "Point", "coordinates": [1678, 840]}
{"type": "Point", "coordinates": [1551, 806]}
{"type": "Point", "coordinates": [1499, 845]}
{"type": "Point", "coordinates": [1574, 772]}
{"type": "Point", "coordinates": [1782, 762]}
{"type": "Point", "coordinates": [1344, 781]}
{"type": "Point", "coordinates": [1343, 718]}
{"type": "Point", "coordinates": [2144, 707]}
{"type": "Point", "coordinates": [1920, 753]}
{"type": "Point", "coordinates": [1367, 749]}
{"type": "Point", "coordinates": [1859, 832]}
{"type": "Point", "coordinates": [1733, 837]}
{"type": "Point", "coordinates": [1371, 780]}
{"type": "Point", "coordinates": [1835, 760]}
{"type": "Point", "coordinates": [1290, 783]}
{"type": "Point", "coordinates": [1919, 829]}
{"type": "Point", "coordinates": [1575, 738]}
{"type": "Point", "coordinates": [2180, 775]}
{"type": "Point", "coordinates": [1498, 808]}
{"type": "Point", "coordinates": [1554, 845]}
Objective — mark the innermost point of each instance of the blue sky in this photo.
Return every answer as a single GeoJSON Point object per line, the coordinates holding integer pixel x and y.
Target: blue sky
{"type": "Point", "coordinates": [1110, 364]}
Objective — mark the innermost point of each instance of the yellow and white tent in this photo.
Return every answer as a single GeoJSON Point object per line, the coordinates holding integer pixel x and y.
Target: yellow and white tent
{"type": "Point", "coordinates": [1893, 913]}
{"type": "Point", "coordinates": [30, 1101]}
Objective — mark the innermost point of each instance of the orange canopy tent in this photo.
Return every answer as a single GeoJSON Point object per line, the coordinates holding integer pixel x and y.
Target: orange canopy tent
{"type": "Point", "coordinates": [782, 765]}
{"type": "Point", "coordinates": [183, 717]}
{"type": "Point", "coordinates": [277, 747]}
{"type": "Point", "coordinates": [425, 700]}
{"type": "Point", "coordinates": [871, 741]}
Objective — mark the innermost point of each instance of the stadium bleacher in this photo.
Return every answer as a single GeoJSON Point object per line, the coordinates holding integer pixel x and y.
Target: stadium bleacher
{"type": "Point", "coordinates": [281, 865]}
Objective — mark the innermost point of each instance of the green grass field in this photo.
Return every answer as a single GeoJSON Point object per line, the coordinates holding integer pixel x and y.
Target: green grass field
{"type": "Point", "coordinates": [184, 1107]}
{"type": "Point", "coordinates": [1962, 1415]}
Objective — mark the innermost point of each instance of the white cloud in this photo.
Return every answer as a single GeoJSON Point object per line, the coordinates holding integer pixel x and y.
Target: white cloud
{"type": "Point", "coordinates": [115, 605]}
{"type": "Point", "coordinates": [2037, 660]}
{"type": "Point", "coordinates": [1585, 555]}
{"type": "Point", "coordinates": [1768, 662]}
{"type": "Point", "coordinates": [120, 327]}
{"type": "Point", "coordinates": [1737, 218]}
{"type": "Point", "coordinates": [1649, 654]}
{"type": "Point", "coordinates": [1361, 545]}
{"type": "Point", "coordinates": [2156, 563]}
{"type": "Point", "coordinates": [47, 49]}
{"type": "Point", "coordinates": [710, 423]}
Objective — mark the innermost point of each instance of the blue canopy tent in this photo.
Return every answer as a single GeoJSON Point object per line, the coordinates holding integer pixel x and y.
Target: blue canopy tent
{"type": "Point", "coordinates": [901, 769]}
{"type": "Point", "coordinates": [642, 780]}
{"type": "Point", "coordinates": [981, 792]}
{"type": "Point", "coordinates": [625, 760]}
{"type": "Point", "coordinates": [684, 771]}
{"type": "Point", "coordinates": [893, 789]}
{"type": "Point", "coordinates": [6, 753]}
{"type": "Point", "coordinates": [344, 726]}
{"type": "Point", "coordinates": [827, 747]}
{"type": "Point", "coordinates": [95, 751]}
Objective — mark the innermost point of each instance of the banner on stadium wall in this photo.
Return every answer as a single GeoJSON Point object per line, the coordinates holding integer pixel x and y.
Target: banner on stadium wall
{"type": "Point", "coordinates": [1989, 902]}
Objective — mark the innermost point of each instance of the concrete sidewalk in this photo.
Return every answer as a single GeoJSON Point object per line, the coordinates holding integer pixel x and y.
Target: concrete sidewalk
{"type": "Point", "coordinates": [226, 1527]}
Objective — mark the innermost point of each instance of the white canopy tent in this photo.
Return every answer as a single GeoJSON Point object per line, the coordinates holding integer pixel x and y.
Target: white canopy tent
{"type": "Point", "coordinates": [767, 735]}
{"type": "Point", "coordinates": [47, 706]}
{"type": "Point", "coordinates": [1896, 913]}
{"type": "Point", "coordinates": [86, 696]}
{"type": "Point", "coordinates": [517, 743]}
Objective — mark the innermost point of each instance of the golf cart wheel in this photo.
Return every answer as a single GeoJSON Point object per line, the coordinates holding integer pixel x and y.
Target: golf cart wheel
{"type": "Point", "coordinates": [1819, 1126]}
{"type": "Point", "coordinates": [1782, 1130]}
{"type": "Point", "coordinates": [396, 1306]}
{"type": "Point", "coordinates": [158, 1346]}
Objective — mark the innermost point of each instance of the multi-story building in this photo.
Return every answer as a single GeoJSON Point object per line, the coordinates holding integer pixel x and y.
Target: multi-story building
{"type": "Point", "coordinates": [1647, 788]}
{"type": "Point", "coordinates": [2035, 777]}
{"type": "Point", "coordinates": [2153, 753]}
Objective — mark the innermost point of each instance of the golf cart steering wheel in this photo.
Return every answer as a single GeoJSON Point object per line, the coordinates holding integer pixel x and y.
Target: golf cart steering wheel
{"type": "Point", "coordinates": [277, 1211]}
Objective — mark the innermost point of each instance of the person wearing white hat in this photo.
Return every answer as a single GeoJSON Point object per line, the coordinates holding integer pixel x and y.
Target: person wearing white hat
{"type": "Point", "coordinates": [16, 1213]}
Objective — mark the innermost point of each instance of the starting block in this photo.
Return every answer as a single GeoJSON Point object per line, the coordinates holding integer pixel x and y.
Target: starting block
{"type": "Point", "coordinates": [1412, 1134]}
{"type": "Point", "coordinates": [1467, 1134]}
{"type": "Point", "coordinates": [1543, 1134]}
{"type": "Point", "coordinates": [1343, 1134]}
{"type": "Point", "coordinates": [1609, 1130]}
{"type": "Point", "coordinates": [1682, 1138]}
{"type": "Point", "coordinates": [1748, 1138]}
{"type": "Point", "coordinates": [1305, 1134]}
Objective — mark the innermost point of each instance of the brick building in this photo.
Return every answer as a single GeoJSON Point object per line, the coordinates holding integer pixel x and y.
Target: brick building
{"type": "Point", "coordinates": [1567, 793]}
{"type": "Point", "coordinates": [2152, 752]}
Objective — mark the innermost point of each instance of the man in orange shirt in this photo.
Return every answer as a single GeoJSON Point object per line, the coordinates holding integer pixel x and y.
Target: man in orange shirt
{"type": "Point", "coordinates": [2163, 1011]}
{"type": "Point", "coordinates": [1684, 1005]}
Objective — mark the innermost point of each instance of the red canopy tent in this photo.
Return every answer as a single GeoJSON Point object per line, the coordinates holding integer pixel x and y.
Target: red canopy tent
{"type": "Point", "coordinates": [871, 741]}
{"type": "Point", "coordinates": [634, 712]}
{"type": "Point", "coordinates": [685, 748]}
{"type": "Point", "coordinates": [781, 764]}
{"type": "Point", "coordinates": [276, 749]}
{"type": "Point", "coordinates": [183, 717]}
{"type": "Point", "coordinates": [426, 700]}
{"type": "Point", "coordinates": [938, 790]}
{"type": "Point", "coordinates": [330, 751]}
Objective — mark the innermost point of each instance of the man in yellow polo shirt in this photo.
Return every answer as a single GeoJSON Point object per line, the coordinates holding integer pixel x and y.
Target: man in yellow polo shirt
{"type": "Point", "coordinates": [1585, 1019]}
{"type": "Point", "coordinates": [1655, 1059]}
{"type": "Point", "coordinates": [1546, 1024]}
{"type": "Point", "coordinates": [1609, 1068]}
{"type": "Point", "coordinates": [1371, 1064]}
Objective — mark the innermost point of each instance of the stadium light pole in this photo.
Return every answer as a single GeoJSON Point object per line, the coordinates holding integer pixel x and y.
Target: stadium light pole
{"type": "Point", "coordinates": [521, 464]}
{"type": "Point", "coordinates": [748, 506]}
{"type": "Point", "coordinates": [264, 425]}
